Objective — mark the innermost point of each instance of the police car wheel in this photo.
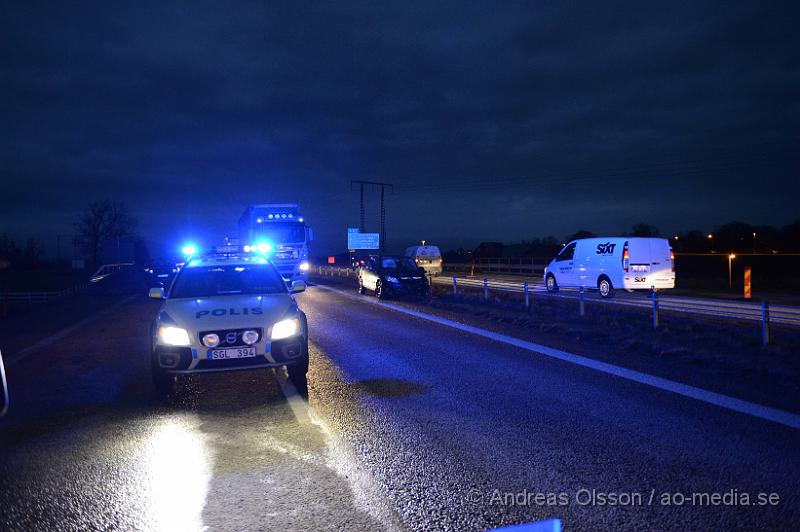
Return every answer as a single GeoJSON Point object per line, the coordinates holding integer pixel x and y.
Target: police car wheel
{"type": "Point", "coordinates": [163, 381]}
{"type": "Point", "coordinates": [360, 286]}
{"type": "Point", "coordinates": [298, 374]}
{"type": "Point", "coordinates": [379, 292]}
{"type": "Point", "coordinates": [605, 287]}
{"type": "Point", "coordinates": [551, 284]}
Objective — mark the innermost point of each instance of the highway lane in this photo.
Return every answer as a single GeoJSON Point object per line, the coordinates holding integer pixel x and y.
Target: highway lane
{"type": "Point", "coordinates": [456, 413]}
{"type": "Point", "coordinates": [408, 425]}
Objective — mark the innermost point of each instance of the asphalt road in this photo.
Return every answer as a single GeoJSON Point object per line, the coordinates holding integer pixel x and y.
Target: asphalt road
{"type": "Point", "coordinates": [408, 425]}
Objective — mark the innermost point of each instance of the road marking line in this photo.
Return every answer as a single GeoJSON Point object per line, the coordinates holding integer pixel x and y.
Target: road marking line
{"type": "Point", "coordinates": [731, 403]}
{"type": "Point", "coordinates": [20, 355]}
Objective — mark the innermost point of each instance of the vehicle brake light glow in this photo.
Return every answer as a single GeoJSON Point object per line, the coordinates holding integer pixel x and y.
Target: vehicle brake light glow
{"type": "Point", "coordinates": [672, 258]}
{"type": "Point", "coordinates": [625, 257]}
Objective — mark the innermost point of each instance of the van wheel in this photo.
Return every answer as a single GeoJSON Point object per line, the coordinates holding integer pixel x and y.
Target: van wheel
{"type": "Point", "coordinates": [550, 283]}
{"type": "Point", "coordinates": [163, 381]}
{"type": "Point", "coordinates": [605, 287]}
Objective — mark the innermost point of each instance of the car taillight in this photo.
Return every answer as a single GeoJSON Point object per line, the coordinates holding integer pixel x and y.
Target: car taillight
{"type": "Point", "coordinates": [672, 259]}
{"type": "Point", "coordinates": [625, 257]}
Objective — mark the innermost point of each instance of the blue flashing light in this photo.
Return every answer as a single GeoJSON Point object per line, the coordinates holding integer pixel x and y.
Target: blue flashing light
{"type": "Point", "coordinates": [189, 249]}
{"type": "Point", "coordinates": [263, 247]}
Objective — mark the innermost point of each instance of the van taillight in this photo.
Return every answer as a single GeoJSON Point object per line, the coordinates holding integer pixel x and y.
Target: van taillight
{"type": "Point", "coordinates": [672, 258]}
{"type": "Point", "coordinates": [625, 257]}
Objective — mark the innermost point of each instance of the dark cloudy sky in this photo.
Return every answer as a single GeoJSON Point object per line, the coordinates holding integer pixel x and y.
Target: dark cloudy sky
{"type": "Point", "coordinates": [495, 120]}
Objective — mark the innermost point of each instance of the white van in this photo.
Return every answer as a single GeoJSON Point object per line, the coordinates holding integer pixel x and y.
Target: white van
{"type": "Point", "coordinates": [628, 263]}
{"type": "Point", "coordinates": [427, 257]}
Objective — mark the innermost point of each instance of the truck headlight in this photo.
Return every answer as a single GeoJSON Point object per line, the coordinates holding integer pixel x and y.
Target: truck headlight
{"type": "Point", "coordinates": [285, 328]}
{"type": "Point", "coordinates": [304, 266]}
{"type": "Point", "coordinates": [173, 336]}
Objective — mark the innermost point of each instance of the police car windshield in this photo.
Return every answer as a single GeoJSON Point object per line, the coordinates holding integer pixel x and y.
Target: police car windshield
{"type": "Point", "coordinates": [224, 280]}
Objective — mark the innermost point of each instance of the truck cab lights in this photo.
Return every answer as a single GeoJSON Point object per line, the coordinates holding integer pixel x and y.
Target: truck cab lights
{"type": "Point", "coordinates": [261, 247]}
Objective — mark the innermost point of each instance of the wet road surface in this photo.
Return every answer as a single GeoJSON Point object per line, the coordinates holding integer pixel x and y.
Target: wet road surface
{"type": "Point", "coordinates": [408, 425]}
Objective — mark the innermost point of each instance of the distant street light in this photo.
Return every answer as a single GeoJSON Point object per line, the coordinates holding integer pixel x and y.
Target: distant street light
{"type": "Point", "coordinates": [730, 278]}
{"type": "Point", "coordinates": [711, 242]}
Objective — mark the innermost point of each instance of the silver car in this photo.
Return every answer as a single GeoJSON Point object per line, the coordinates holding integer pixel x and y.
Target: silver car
{"type": "Point", "coordinates": [228, 313]}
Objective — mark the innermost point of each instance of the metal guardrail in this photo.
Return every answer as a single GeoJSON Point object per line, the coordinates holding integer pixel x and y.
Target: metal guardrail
{"type": "Point", "coordinates": [518, 265]}
{"type": "Point", "coordinates": [107, 269]}
{"type": "Point", "coordinates": [39, 297]}
{"type": "Point", "coordinates": [763, 312]}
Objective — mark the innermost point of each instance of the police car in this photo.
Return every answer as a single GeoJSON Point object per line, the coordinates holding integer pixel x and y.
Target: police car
{"type": "Point", "coordinates": [225, 312]}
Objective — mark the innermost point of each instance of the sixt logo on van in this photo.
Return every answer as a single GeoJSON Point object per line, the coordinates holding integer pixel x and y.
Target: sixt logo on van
{"type": "Point", "coordinates": [606, 249]}
{"type": "Point", "coordinates": [231, 311]}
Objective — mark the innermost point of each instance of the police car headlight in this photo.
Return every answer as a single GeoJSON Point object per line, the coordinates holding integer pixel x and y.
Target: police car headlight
{"type": "Point", "coordinates": [304, 266]}
{"type": "Point", "coordinates": [390, 279]}
{"type": "Point", "coordinates": [173, 336]}
{"type": "Point", "coordinates": [211, 340]}
{"type": "Point", "coordinates": [285, 328]}
{"type": "Point", "coordinates": [250, 337]}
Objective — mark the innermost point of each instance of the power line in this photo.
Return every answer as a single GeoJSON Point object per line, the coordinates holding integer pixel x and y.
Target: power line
{"type": "Point", "coordinates": [383, 187]}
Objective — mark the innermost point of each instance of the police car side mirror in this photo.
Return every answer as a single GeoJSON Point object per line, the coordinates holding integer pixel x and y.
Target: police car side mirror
{"type": "Point", "coordinates": [156, 293]}
{"type": "Point", "coordinates": [4, 390]}
{"type": "Point", "coordinates": [297, 287]}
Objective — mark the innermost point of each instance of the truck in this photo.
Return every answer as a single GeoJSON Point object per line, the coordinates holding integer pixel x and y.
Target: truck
{"type": "Point", "coordinates": [281, 229]}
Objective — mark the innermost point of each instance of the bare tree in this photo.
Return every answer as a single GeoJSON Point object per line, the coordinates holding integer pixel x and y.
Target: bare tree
{"type": "Point", "coordinates": [101, 222]}
{"type": "Point", "coordinates": [645, 230]}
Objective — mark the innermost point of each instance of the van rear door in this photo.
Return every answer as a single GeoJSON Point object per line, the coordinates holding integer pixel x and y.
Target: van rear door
{"type": "Point", "coordinates": [660, 261]}
{"type": "Point", "coordinates": [639, 262]}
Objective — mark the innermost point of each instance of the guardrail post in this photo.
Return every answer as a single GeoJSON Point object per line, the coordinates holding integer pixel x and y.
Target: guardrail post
{"type": "Point", "coordinates": [527, 295]}
{"type": "Point", "coordinates": [765, 322]}
{"type": "Point", "coordinates": [485, 289]}
{"type": "Point", "coordinates": [655, 306]}
{"type": "Point", "coordinates": [580, 299]}
{"type": "Point", "coordinates": [455, 286]}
